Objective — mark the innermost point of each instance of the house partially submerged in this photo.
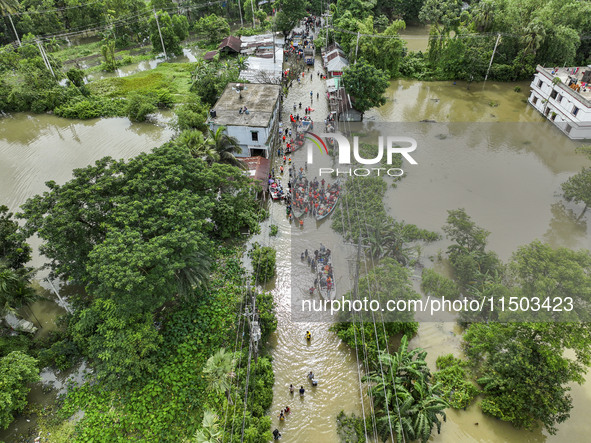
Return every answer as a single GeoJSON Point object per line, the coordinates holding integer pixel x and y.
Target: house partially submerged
{"type": "Point", "coordinates": [230, 45]}
{"type": "Point", "coordinates": [563, 96]}
{"type": "Point", "coordinates": [255, 127]}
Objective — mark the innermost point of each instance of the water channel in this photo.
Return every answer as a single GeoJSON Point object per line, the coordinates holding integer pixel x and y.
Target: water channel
{"type": "Point", "coordinates": [506, 173]}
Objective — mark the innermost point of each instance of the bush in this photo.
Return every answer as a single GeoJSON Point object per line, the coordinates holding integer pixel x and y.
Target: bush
{"type": "Point", "coordinates": [139, 106]}
{"type": "Point", "coordinates": [435, 284]}
{"type": "Point", "coordinates": [92, 107]}
{"type": "Point", "coordinates": [273, 230]}
{"type": "Point", "coordinates": [191, 115]}
{"type": "Point", "coordinates": [263, 262]}
{"type": "Point", "coordinates": [457, 390]}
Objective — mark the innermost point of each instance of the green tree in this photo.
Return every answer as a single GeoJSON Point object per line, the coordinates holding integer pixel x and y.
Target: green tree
{"type": "Point", "coordinates": [578, 188]}
{"type": "Point", "coordinates": [224, 147]}
{"type": "Point", "coordinates": [14, 251]}
{"type": "Point", "coordinates": [108, 51]}
{"type": "Point", "coordinates": [191, 115]}
{"type": "Point", "coordinates": [366, 84]}
{"type": "Point", "coordinates": [139, 106]}
{"type": "Point", "coordinates": [524, 371]}
{"type": "Point", "coordinates": [17, 370]}
{"type": "Point", "coordinates": [289, 14]}
{"type": "Point", "coordinates": [210, 431]}
{"type": "Point", "coordinates": [212, 27]}
{"type": "Point", "coordinates": [174, 29]}
{"type": "Point", "coordinates": [15, 289]}
{"type": "Point", "coordinates": [263, 262]}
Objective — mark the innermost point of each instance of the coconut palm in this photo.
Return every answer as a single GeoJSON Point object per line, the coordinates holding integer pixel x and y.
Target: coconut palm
{"type": "Point", "coordinates": [8, 6]}
{"type": "Point", "coordinates": [225, 148]}
{"type": "Point", "coordinates": [195, 274]}
{"type": "Point", "coordinates": [219, 370]}
{"type": "Point", "coordinates": [15, 290]}
{"type": "Point", "coordinates": [534, 35]}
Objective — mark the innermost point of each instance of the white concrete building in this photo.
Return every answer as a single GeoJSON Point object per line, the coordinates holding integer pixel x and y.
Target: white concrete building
{"type": "Point", "coordinates": [565, 102]}
{"type": "Point", "coordinates": [254, 129]}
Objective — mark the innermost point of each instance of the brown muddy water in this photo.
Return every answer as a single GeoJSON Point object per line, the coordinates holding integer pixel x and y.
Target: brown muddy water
{"type": "Point", "coordinates": [506, 173]}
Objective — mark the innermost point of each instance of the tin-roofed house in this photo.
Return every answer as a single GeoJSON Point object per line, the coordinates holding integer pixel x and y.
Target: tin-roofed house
{"type": "Point", "coordinates": [250, 113]}
{"type": "Point", "coordinates": [230, 45]}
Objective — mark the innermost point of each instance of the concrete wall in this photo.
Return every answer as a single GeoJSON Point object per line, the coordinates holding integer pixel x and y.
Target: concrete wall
{"type": "Point", "coordinates": [559, 109]}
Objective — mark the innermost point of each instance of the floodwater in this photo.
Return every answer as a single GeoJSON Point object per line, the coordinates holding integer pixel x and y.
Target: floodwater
{"type": "Point", "coordinates": [483, 149]}
{"type": "Point", "coordinates": [416, 37]}
{"type": "Point", "coordinates": [505, 170]}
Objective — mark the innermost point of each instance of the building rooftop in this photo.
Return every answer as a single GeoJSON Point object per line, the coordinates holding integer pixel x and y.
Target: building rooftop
{"type": "Point", "coordinates": [262, 68]}
{"type": "Point", "coordinates": [231, 42]}
{"type": "Point", "coordinates": [337, 64]}
{"type": "Point", "coordinates": [258, 169]}
{"type": "Point", "coordinates": [260, 100]}
{"type": "Point", "coordinates": [567, 73]}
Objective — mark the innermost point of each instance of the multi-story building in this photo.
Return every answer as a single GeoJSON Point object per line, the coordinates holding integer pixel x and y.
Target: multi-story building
{"type": "Point", "coordinates": [250, 113]}
{"type": "Point", "coordinates": [563, 96]}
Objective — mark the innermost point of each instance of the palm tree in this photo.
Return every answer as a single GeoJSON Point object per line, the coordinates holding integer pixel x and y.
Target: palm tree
{"type": "Point", "coordinates": [534, 35]}
{"type": "Point", "coordinates": [219, 370]}
{"type": "Point", "coordinates": [225, 147]}
{"type": "Point", "coordinates": [378, 236]}
{"type": "Point", "coordinates": [210, 429]}
{"type": "Point", "coordinates": [15, 290]}
{"type": "Point", "coordinates": [195, 274]}
{"type": "Point", "coordinates": [8, 6]}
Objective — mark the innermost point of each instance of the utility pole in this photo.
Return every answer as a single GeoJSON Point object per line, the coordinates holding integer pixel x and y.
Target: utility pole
{"type": "Point", "coordinates": [240, 10]}
{"type": "Point", "coordinates": [356, 47]}
{"type": "Point", "coordinates": [46, 61]}
{"type": "Point", "coordinates": [14, 29]}
{"type": "Point", "coordinates": [492, 56]}
{"type": "Point", "coordinates": [160, 32]}
{"type": "Point", "coordinates": [65, 305]}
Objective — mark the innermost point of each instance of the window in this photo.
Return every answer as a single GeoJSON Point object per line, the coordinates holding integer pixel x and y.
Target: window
{"type": "Point", "coordinates": [568, 129]}
{"type": "Point", "coordinates": [535, 100]}
{"type": "Point", "coordinates": [575, 111]}
{"type": "Point", "coordinates": [539, 83]}
{"type": "Point", "coordinates": [559, 98]}
{"type": "Point", "coordinates": [255, 136]}
{"type": "Point", "coordinates": [553, 94]}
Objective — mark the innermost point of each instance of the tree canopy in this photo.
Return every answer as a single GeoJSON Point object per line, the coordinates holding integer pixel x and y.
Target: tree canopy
{"type": "Point", "coordinates": [366, 84]}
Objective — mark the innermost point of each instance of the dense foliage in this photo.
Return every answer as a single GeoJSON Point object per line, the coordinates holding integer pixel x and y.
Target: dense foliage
{"type": "Point", "coordinates": [407, 402]}
{"type": "Point", "coordinates": [457, 390]}
{"type": "Point", "coordinates": [263, 263]}
{"type": "Point", "coordinates": [191, 374]}
{"type": "Point", "coordinates": [17, 370]}
{"type": "Point", "coordinates": [139, 234]}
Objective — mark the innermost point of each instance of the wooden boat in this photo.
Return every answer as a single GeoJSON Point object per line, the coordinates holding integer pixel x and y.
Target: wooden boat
{"type": "Point", "coordinates": [324, 274]}
{"type": "Point", "coordinates": [300, 196]}
{"type": "Point", "coordinates": [331, 193]}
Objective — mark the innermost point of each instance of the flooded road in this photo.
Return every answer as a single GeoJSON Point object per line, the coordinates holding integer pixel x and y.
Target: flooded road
{"type": "Point", "coordinates": [506, 175]}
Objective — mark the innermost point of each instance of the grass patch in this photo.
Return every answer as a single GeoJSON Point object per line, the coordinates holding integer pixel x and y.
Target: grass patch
{"type": "Point", "coordinates": [173, 77]}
